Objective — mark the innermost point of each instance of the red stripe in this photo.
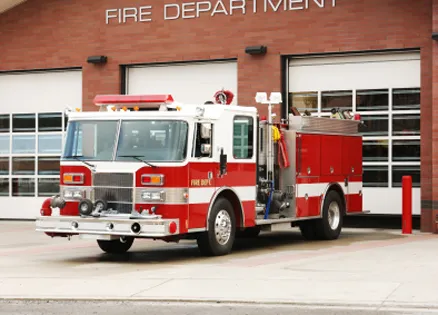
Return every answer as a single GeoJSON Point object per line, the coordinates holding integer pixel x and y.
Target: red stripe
{"type": "Point", "coordinates": [198, 215]}
{"type": "Point", "coordinates": [354, 203]}
{"type": "Point", "coordinates": [173, 176]}
{"type": "Point", "coordinates": [238, 174]}
{"type": "Point", "coordinates": [308, 208]}
{"type": "Point", "coordinates": [250, 213]}
{"type": "Point", "coordinates": [327, 179]}
{"type": "Point", "coordinates": [195, 174]}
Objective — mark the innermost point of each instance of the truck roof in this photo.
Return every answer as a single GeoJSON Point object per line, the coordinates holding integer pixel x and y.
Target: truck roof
{"type": "Point", "coordinates": [173, 111]}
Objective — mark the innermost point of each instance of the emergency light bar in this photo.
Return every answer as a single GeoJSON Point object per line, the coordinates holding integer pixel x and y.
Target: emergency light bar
{"type": "Point", "coordinates": [150, 101]}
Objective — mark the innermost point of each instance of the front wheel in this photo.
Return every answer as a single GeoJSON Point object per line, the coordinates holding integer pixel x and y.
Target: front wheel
{"type": "Point", "coordinates": [250, 232]}
{"type": "Point", "coordinates": [119, 246]}
{"type": "Point", "coordinates": [218, 240]}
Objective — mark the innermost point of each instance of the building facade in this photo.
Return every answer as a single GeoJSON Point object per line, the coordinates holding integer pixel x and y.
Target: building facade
{"type": "Point", "coordinates": [375, 57]}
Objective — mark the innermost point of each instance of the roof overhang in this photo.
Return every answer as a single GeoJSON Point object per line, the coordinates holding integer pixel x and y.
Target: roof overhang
{"type": "Point", "coordinates": [5, 5]}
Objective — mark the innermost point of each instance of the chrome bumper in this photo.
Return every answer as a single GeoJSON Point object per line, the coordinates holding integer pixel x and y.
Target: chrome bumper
{"type": "Point", "coordinates": [109, 226]}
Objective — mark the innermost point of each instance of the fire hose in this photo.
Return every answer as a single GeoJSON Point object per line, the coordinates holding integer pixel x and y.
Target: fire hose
{"type": "Point", "coordinates": [283, 156]}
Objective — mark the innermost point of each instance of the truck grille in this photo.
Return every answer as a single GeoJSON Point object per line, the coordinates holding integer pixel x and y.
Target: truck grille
{"type": "Point", "coordinates": [116, 189]}
{"type": "Point", "coordinates": [113, 180]}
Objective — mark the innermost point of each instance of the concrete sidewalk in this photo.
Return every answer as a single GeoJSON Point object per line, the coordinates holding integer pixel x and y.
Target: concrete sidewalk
{"type": "Point", "coordinates": [363, 268]}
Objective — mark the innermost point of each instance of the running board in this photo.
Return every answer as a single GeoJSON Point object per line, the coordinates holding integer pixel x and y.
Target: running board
{"type": "Point", "coordinates": [295, 219]}
{"type": "Point", "coordinates": [358, 213]}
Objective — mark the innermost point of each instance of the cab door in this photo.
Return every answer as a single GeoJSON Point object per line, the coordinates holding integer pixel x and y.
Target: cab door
{"type": "Point", "coordinates": [202, 170]}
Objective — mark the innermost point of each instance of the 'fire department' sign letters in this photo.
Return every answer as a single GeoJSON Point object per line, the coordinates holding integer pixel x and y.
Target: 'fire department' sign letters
{"type": "Point", "coordinates": [192, 10]}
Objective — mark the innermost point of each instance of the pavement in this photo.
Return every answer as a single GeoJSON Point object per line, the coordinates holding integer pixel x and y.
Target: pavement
{"type": "Point", "coordinates": [180, 308]}
{"type": "Point", "coordinates": [364, 268]}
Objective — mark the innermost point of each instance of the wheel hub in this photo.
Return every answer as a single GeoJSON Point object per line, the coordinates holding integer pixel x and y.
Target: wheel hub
{"type": "Point", "coordinates": [334, 215]}
{"type": "Point", "coordinates": [222, 227]}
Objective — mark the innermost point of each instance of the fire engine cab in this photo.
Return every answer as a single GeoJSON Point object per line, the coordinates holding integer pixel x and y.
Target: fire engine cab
{"type": "Point", "coordinates": [145, 166]}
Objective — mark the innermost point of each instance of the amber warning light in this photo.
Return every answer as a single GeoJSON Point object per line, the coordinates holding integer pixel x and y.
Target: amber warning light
{"type": "Point", "coordinates": [155, 180]}
{"type": "Point", "coordinates": [70, 178]}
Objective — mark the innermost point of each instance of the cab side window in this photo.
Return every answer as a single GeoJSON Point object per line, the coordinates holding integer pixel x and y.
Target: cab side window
{"type": "Point", "coordinates": [203, 140]}
{"type": "Point", "coordinates": [243, 137]}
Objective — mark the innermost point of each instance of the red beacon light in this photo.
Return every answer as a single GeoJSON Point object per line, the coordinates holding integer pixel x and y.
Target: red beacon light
{"type": "Point", "coordinates": [136, 102]}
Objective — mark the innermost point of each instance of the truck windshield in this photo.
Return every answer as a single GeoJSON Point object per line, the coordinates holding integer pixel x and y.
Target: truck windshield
{"type": "Point", "coordinates": [139, 140]}
{"type": "Point", "coordinates": [90, 140]}
{"type": "Point", "coordinates": [152, 140]}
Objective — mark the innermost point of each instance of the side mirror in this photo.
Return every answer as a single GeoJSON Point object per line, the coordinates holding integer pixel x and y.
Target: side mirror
{"type": "Point", "coordinates": [206, 149]}
{"type": "Point", "coordinates": [205, 131]}
{"type": "Point", "coordinates": [223, 163]}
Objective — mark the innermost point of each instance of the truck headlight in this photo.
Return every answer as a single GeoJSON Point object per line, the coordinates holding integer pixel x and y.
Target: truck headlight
{"type": "Point", "coordinates": [153, 195]}
{"type": "Point", "coordinates": [74, 194]}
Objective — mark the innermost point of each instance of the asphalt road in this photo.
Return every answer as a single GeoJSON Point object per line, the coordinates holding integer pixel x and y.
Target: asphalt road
{"type": "Point", "coordinates": [137, 308]}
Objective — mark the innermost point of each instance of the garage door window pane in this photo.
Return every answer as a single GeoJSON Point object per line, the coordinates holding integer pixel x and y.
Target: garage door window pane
{"type": "Point", "coordinates": [304, 101]}
{"type": "Point", "coordinates": [23, 187]}
{"type": "Point", "coordinates": [23, 166]}
{"type": "Point", "coordinates": [367, 100]}
{"type": "Point", "coordinates": [375, 151]}
{"type": "Point", "coordinates": [4, 166]}
{"type": "Point", "coordinates": [23, 144]}
{"type": "Point", "coordinates": [375, 125]}
{"type": "Point", "coordinates": [399, 171]}
{"type": "Point", "coordinates": [406, 125]}
{"type": "Point", "coordinates": [375, 176]}
{"type": "Point", "coordinates": [23, 123]}
{"type": "Point", "coordinates": [48, 187]}
{"type": "Point", "coordinates": [50, 122]}
{"type": "Point", "coordinates": [4, 123]}
{"type": "Point", "coordinates": [336, 99]}
{"type": "Point", "coordinates": [4, 144]}
{"type": "Point", "coordinates": [50, 144]}
{"type": "Point", "coordinates": [406, 99]}
{"type": "Point", "coordinates": [4, 187]}
{"type": "Point", "coordinates": [406, 150]}
{"type": "Point", "coordinates": [48, 166]}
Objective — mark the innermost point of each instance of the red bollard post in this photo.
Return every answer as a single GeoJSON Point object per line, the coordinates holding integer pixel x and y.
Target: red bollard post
{"type": "Point", "coordinates": [407, 205]}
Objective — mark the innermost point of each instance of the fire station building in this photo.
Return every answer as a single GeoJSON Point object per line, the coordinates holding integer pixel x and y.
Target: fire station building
{"type": "Point", "coordinates": [378, 58]}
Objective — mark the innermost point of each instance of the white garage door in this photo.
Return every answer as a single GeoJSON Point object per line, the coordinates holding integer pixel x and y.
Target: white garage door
{"type": "Point", "coordinates": [385, 90]}
{"type": "Point", "coordinates": [191, 83]}
{"type": "Point", "coordinates": [32, 124]}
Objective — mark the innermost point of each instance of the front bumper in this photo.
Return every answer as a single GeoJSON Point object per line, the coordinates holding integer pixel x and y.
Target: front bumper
{"type": "Point", "coordinates": [109, 226]}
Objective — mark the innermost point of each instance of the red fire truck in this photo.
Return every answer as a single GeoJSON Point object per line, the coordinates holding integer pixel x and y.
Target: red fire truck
{"type": "Point", "coordinates": [145, 166]}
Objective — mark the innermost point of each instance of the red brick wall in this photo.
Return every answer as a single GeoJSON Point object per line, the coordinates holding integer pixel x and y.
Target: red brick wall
{"type": "Point", "coordinates": [50, 33]}
{"type": "Point", "coordinates": [54, 34]}
{"type": "Point", "coordinates": [432, 163]}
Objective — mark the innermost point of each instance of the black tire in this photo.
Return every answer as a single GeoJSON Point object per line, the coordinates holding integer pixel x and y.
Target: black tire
{"type": "Point", "coordinates": [116, 246]}
{"type": "Point", "coordinates": [307, 229]}
{"type": "Point", "coordinates": [85, 207]}
{"type": "Point", "coordinates": [208, 244]}
{"type": "Point", "coordinates": [250, 232]}
{"type": "Point", "coordinates": [322, 227]}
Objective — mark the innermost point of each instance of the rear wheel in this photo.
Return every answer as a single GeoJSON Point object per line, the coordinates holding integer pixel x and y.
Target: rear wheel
{"type": "Point", "coordinates": [330, 226]}
{"type": "Point", "coordinates": [307, 229]}
{"type": "Point", "coordinates": [119, 246]}
{"type": "Point", "coordinates": [219, 238]}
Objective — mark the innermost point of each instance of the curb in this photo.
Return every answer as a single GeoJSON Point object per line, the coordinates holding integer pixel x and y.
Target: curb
{"type": "Point", "coordinates": [254, 303]}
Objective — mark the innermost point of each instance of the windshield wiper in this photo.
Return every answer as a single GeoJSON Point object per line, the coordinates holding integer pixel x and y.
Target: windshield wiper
{"type": "Point", "coordinates": [77, 158]}
{"type": "Point", "coordinates": [138, 157]}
